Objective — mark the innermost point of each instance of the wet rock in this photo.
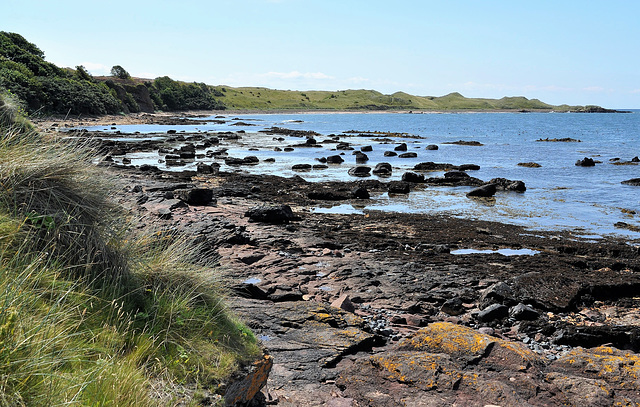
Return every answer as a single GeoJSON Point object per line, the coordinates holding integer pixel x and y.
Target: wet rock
{"type": "Point", "coordinates": [484, 191]}
{"type": "Point", "coordinates": [360, 192]}
{"type": "Point", "coordinates": [633, 181]}
{"type": "Point", "coordinates": [408, 155]}
{"type": "Point", "coordinates": [529, 165]}
{"type": "Point", "coordinates": [301, 167]}
{"type": "Point", "coordinates": [401, 147]}
{"type": "Point", "coordinates": [271, 214]}
{"type": "Point", "coordinates": [468, 167]}
{"type": "Point", "coordinates": [361, 157]}
{"type": "Point", "coordinates": [509, 185]}
{"type": "Point", "coordinates": [328, 194]}
{"type": "Point", "coordinates": [335, 159]}
{"type": "Point", "coordinates": [195, 196]}
{"type": "Point", "coordinates": [366, 148]}
{"type": "Point", "coordinates": [399, 187]}
{"type": "Point", "coordinates": [383, 169]}
{"type": "Point", "coordinates": [432, 147]}
{"type": "Point", "coordinates": [202, 168]}
{"type": "Point", "coordinates": [343, 146]}
{"type": "Point", "coordinates": [390, 154]}
{"type": "Point", "coordinates": [522, 312]}
{"type": "Point", "coordinates": [493, 312]}
{"type": "Point", "coordinates": [431, 166]}
{"type": "Point", "coordinates": [586, 162]}
{"type": "Point", "coordinates": [360, 171]}
{"type": "Point", "coordinates": [412, 177]}
{"type": "Point", "coordinates": [456, 175]}
{"type": "Point", "coordinates": [249, 160]}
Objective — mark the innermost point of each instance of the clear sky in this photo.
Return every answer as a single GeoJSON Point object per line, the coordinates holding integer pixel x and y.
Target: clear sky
{"type": "Point", "coordinates": [562, 51]}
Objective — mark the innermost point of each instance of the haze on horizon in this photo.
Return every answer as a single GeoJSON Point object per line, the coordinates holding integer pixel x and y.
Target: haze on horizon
{"type": "Point", "coordinates": [571, 52]}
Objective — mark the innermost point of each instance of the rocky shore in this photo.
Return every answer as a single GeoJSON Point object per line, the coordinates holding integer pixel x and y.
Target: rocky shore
{"type": "Point", "coordinates": [395, 309]}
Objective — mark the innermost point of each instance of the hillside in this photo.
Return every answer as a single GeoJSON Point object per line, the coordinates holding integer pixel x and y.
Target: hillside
{"type": "Point", "coordinates": [47, 89]}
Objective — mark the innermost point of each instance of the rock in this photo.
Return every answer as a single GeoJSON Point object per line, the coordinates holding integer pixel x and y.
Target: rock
{"type": "Point", "coordinates": [523, 312]}
{"type": "Point", "coordinates": [301, 167]}
{"type": "Point", "coordinates": [530, 165]}
{"type": "Point", "coordinates": [412, 177]}
{"type": "Point", "coordinates": [497, 293]}
{"type": "Point", "coordinates": [453, 306]}
{"type": "Point", "coordinates": [493, 312]}
{"type": "Point", "coordinates": [335, 159]}
{"type": "Point", "coordinates": [202, 168]}
{"type": "Point", "coordinates": [366, 148]}
{"type": "Point", "coordinates": [328, 194]}
{"type": "Point", "coordinates": [508, 185]}
{"type": "Point", "coordinates": [343, 146]}
{"type": "Point", "coordinates": [361, 157]}
{"type": "Point", "coordinates": [195, 196]}
{"type": "Point", "coordinates": [431, 166]}
{"type": "Point", "coordinates": [360, 192]}
{"type": "Point", "coordinates": [271, 214]}
{"type": "Point", "coordinates": [633, 181]}
{"type": "Point", "coordinates": [390, 154]}
{"type": "Point", "coordinates": [586, 162]}
{"type": "Point", "coordinates": [242, 391]}
{"type": "Point", "coordinates": [456, 175]}
{"type": "Point", "coordinates": [432, 147]}
{"type": "Point", "coordinates": [468, 167]}
{"type": "Point", "coordinates": [408, 155]}
{"type": "Point", "coordinates": [360, 171]}
{"type": "Point", "coordinates": [580, 391]}
{"type": "Point", "coordinates": [484, 191]}
{"type": "Point", "coordinates": [344, 303]}
{"type": "Point", "coordinates": [399, 187]}
{"type": "Point", "coordinates": [383, 169]}
{"type": "Point", "coordinates": [401, 147]}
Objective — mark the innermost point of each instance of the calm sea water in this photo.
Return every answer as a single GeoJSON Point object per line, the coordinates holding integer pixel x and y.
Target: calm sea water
{"type": "Point", "coordinates": [560, 195]}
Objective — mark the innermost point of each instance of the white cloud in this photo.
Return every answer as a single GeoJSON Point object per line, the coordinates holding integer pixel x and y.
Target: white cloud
{"type": "Point", "coordinates": [97, 68]}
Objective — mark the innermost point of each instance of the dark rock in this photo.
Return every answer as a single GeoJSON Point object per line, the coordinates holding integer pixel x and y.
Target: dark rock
{"type": "Point", "coordinates": [412, 177]}
{"type": "Point", "coordinates": [401, 147]}
{"type": "Point", "coordinates": [390, 154]}
{"type": "Point", "coordinates": [586, 162]}
{"type": "Point", "coordinates": [271, 214]}
{"type": "Point", "coordinates": [399, 187]}
{"type": "Point", "coordinates": [453, 306]}
{"type": "Point", "coordinates": [497, 293]}
{"type": "Point", "coordinates": [382, 169]}
{"type": "Point", "coordinates": [484, 191]}
{"type": "Point", "coordinates": [360, 193]}
{"type": "Point", "coordinates": [335, 159]}
{"type": "Point", "coordinates": [366, 148]}
{"type": "Point", "coordinates": [327, 194]}
{"type": "Point", "coordinates": [195, 196]}
{"type": "Point", "coordinates": [493, 312]}
{"type": "Point", "coordinates": [468, 167]}
{"type": "Point", "coordinates": [408, 155]}
{"type": "Point", "coordinates": [301, 167]}
{"type": "Point", "coordinates": [203, 168]}
{"type": "Point", "coordinates": [633, 181]}
{"type": "Point", "coordinates": [529, 165]}
{"type": "Point", "coordinates": [456, 175]}
{"type": "Point", "coordinates": [361, 157]}
{"type": "Point", "coordinates": [523, 312]}
{"type": "Point", "coordinates": [508, 185]}
{"type": "Point", "coordinates": [360, 171]}
{"type": "Point", "coordinates": [343, 146]}
{"type": "Point", "coordinates": [431, 166]}
{"type": "Point", "coordinates": [432, 147]}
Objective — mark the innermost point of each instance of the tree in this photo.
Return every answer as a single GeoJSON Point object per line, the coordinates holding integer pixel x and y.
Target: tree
{"type": "Point", "coordinates": [82, 73]}
{"type": "Point", "coordinates": [120, 72]}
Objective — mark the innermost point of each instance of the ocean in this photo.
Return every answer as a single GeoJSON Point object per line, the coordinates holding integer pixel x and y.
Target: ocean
{"type": "Point", "coordinates": [588, 201]}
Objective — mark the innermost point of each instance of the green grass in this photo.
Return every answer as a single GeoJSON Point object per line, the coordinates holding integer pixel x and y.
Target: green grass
{"type": "Point", "coordinates": [271, 99]}
{"type": "Point", "coordinates": [94, 311]}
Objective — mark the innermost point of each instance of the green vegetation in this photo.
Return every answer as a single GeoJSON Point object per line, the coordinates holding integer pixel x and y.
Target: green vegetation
{"type": "Point", "coordinates": [93, 311]}
{"type": "Point", "coordinates": [43, 87]}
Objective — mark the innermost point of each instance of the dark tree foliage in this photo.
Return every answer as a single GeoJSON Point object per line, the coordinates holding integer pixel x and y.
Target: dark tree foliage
{"type": "Point", "coordinates": [174, 95]}
{"type": "Point", "coordinates": [119, 72]}
{"type": "Point", "coordinates": [83, 74]}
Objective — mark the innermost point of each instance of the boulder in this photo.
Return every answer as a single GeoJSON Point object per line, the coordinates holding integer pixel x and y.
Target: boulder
{"type": "Point", "coordinates": [484, 191]}
{"type": "Point", "coordinates": [327, 194]}
{"type": "Point", "coordinates": [432, 147]}
{"type": "Point", "coordinates": [335, 159]}
{"type": "Point", "coordinates": [468, 167]}
{"type": "Point", "coordinates": [344, 303]}
{"type": "Point", "coordinates": [301, 167]}
{"type": "Point", "coordinates": [456, 175]}
{"type": "Point", "coordinates": [383, 169]}
{"type": "Point", "coordinates": [399, 187]}
{"type": "Point", "coordinates": [401, 147]}
{"type": "Point", "coordinates": [361, 157]}
{"type": "Point", "coordinates": [523, 312]}
{"type": "Point", "coordinates": [508, 185]}
{"type": "Point", "coordinates": [390, 154]}
{"type": "Point", "coordinates": [195, 196]}
{"type": "Point", "coordinates": [408, 155]}
{"type": "Point", "coordinates": [360, 193]}
{"type": "Point", "coordinates": [241, 391]}
{"type": "Point", "coordinates": [366, 148]}
{"type": "Point", "coordinates": [586, 162]}
{"type": "Point", "coordinates": [493, 312]}
{"type": "Point", "coordinates": [412, 177]}
{"type": "Point", "coordinates": [360, 171]}
{"type": "Point", "coordinates": [633, 181]}
{"type": "Point", "coordinates": [271, 214]}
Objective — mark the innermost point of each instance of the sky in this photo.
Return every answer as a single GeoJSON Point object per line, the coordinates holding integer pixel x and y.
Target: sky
{"type": "Point", "coordinates": [562, 51]}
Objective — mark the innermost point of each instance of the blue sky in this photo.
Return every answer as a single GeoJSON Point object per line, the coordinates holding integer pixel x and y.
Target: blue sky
{"type": "Point", "coordinates": [574, 52]}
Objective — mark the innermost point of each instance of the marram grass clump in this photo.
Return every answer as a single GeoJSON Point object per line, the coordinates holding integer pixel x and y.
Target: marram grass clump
{"type": "Point", "coordinates": [91, 312]}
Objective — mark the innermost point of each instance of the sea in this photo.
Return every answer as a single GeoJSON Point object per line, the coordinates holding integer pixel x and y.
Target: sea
{"type": "Point", "coordinates": [589, 202]}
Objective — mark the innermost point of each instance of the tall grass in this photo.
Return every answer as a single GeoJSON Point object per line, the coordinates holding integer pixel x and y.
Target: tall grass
{"type": "Point", "coordinates": [94, 311]}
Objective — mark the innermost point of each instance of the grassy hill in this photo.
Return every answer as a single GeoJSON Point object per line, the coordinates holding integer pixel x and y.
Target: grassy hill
{"type": "Point", "coordinates": [271, 99]}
